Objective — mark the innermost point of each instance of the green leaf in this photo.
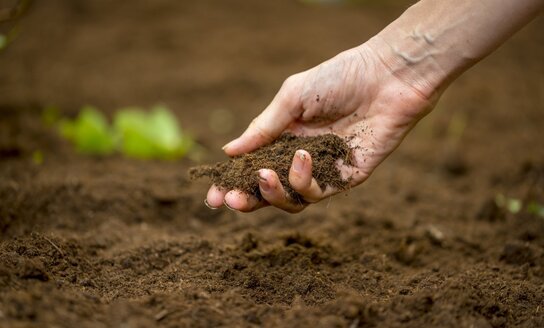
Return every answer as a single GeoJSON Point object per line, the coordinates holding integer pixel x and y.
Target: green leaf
{"type": "Point", "coordinates": [135, 133]}
{"type": "Point", "coordinates": [513, 205]}
{"type": "Point", "coordinates": [151, 135]}
{"type": "Point", "coordinates": [535, 209]}
{"type": "Point", "coordinates": [90, 132]}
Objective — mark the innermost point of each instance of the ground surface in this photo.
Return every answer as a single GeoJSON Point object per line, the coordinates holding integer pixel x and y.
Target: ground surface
{"type": "Point", "coordinates": [104, 242]}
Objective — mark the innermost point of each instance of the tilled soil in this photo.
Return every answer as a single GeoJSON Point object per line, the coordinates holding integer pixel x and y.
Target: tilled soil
{"type": "Point", "coordinates": [105, 242]}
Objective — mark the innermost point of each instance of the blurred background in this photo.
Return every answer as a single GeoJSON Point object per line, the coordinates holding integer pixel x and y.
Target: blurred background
{"type": "Point", "coordinates": [217, 64]}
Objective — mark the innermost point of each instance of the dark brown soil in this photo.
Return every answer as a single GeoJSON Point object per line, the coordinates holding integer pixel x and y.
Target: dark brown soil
{"type": "Point", "coordinates": [241, 173]}
{"type": "Point", "coordinates": [109, 242]}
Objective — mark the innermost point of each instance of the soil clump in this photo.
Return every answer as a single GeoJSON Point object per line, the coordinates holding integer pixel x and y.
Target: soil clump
{"type": "Point", "coordinates": [241, 172]}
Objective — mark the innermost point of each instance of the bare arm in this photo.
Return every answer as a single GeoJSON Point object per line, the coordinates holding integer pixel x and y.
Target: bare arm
{"type": "Point", "coordinates": [435, 41]}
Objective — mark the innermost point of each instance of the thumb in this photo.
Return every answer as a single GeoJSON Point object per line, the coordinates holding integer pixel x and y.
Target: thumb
{"type": "Point", "coordinates": [283, 110]}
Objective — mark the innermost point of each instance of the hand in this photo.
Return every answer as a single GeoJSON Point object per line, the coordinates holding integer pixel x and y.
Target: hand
{"type": "Point", "coordinates": [353, 95]}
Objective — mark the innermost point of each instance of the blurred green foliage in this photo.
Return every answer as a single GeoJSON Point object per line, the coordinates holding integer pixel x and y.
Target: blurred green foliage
{"type": "Point", "coordinates": [3, 41]}
{"type": "Point", "coordinates": [7, 38]}
{"type": "Point", "coordinates": [37, 157]}
{"type": "Point", "coordinates": [9, 18]}
{"type": "Point", "coordinates": [154, 134]}
{"type": "Point", "coordinates": [536, 209]}
{"type": "Point", "coordinates": [135, 133]}
{"type": "Point", "coordinates": [90, 132]}
{"type": "Point", "coordinates": [514, 205]}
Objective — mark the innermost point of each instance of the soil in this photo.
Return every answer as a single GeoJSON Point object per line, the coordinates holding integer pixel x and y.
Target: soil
{"type": "Point", "coordinates": [105, 242]}
{"type": "Point", "coordinates": [241, 172]}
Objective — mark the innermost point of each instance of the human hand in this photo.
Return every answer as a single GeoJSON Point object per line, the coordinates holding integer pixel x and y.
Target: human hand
{"type": "Point", "coordinates": [374, 94]}
{"type": "Point", "coordinates": [356, 95]}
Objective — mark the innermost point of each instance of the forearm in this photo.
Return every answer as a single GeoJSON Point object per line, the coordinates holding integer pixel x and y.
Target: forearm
{"type": "Point", "coordinates": [434, 41]}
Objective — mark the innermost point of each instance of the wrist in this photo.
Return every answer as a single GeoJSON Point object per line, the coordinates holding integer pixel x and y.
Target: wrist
{"type": "Point", "coordinates": [433, 42]}
{"type": "Point", "coordinates": [412, 62]}
{"type": "Point", "coordinates": [424, 48]}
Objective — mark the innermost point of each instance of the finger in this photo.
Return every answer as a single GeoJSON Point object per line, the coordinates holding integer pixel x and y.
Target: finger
{"type": "Point", "coordinates": [284, 109]}
{"type": "Point", "coordinates": [214, 198]}
{"type": "Point", "coordinates": [240, 201]}
{"type": "Point", "coordinates": [300, 177]}
{"type": "Point", "coordinates": [273, 192]}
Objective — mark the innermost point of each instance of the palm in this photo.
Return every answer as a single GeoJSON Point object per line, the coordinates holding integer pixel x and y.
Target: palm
{"type": "Point", "coordinates": [347, 97]}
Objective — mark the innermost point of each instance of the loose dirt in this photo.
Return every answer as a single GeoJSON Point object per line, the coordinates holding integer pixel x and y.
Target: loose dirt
{"type": "Point", "coordinates": [110, 242]}
{"type": "Point", "coordinates": [241, 172]}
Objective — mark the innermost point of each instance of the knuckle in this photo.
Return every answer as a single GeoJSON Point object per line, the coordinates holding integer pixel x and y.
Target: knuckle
{"type": "Point", "coordinates": [261, 132]}
{"type": "Point", "coordinates": [289, 97]}
{"type": "Point", "coordinates": [289, 81]}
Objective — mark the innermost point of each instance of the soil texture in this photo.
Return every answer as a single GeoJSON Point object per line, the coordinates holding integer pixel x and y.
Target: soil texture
{"type": "Point", "coordinates": [443, 234]}
{"type": "Point", "coordinates": [241, 172]}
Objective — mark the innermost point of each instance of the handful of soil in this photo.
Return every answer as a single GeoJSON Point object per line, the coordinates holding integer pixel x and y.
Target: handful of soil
{"type": "Point", "coordinates": [240, 172]}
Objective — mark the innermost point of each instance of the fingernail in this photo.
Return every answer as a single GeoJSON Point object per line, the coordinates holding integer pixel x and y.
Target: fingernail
{"type": "Point", "coordinates": [298, 162]}
{"type": "Point", "coordinates": [263, 182]}
{"type": "Point", "coordinates": [209, 206]}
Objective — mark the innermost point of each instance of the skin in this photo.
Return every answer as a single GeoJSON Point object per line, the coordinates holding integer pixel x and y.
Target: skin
{"type": "Point", "coordinates": [374, 93]}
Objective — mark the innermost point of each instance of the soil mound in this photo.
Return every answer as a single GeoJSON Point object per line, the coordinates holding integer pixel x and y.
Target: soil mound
{"type": "Point", "coordinates": [240, 172]}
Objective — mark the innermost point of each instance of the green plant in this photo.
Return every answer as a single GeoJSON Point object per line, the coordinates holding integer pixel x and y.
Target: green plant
{"type": "Point", "coordinates": [10, 17]}
{"type": "Point", "coordinates": [153, 134]}
{"type": "Point", "coordinates": [514, 205]}
{"type": "Point", "coordinates": [535, 209]}
{"type": "Point", "coordinates": [90, 132]}
{"type": "Point", "coordinates": [135, 133]}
